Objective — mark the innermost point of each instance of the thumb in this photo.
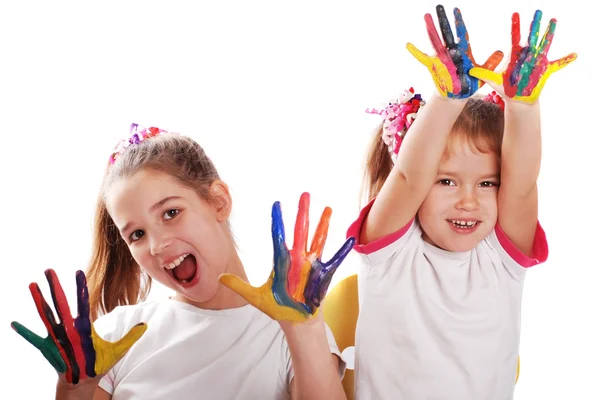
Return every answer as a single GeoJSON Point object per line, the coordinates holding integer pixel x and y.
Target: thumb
{"type": "Point", "coordinates": [486, 75]}
{"type": "Point", "coordinates": [561, 63]}
{"type": "Point", "coordinates": [109, 353]}
{"type": "Point", "coordinates": [419, 55]}
{"type": "Point", "coordinates": [251, 294]}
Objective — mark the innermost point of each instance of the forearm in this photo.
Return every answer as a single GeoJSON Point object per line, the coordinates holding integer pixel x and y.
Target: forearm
{"type": "Point", "coordinates": [521, 148]}
{"type": "Point", "coordinates": [315, 375]}
{"type": "Point", "coordinates": [424, 145]}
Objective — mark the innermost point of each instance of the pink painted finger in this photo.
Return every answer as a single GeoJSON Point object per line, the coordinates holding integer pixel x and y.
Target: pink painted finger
{"type": "Point", "coordinates": [434, 37]}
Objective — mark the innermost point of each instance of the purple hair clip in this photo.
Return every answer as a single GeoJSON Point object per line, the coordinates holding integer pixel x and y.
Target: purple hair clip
{"type": "Point", "coordinates": [398, 116]}
{"type": "Point", "coordinates": [138, 135]}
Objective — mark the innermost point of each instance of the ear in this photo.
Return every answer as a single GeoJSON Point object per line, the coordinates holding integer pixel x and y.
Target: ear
{"type": "Point", "coordinates": [220, 199]}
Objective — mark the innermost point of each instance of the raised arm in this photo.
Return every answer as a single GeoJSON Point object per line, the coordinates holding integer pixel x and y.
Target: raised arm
{"type": "Point", "coordinates": [418, 160]}
{"type": "Point", "coordinates": [292, 296]}
{"type": "Point", "coordinates": [521, 84]}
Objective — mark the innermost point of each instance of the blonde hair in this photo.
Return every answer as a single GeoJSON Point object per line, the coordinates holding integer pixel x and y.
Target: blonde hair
{"type": "Point", "coordinates": [481, 124]}
{"type": "Point", "coordinates": [113, 276]}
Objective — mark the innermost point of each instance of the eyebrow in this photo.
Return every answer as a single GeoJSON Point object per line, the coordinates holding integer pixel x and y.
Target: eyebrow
{"type": "Point", "coordinates": [156, 205]}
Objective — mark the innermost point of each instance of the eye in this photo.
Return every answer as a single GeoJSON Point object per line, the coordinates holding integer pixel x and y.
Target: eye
{"type": "Point", "coordinates": [488, 184]}
{"type": "Point", "coordinates": [136, 235]}
{"type": "Point", "coordinates": [446, 182]}
{"type": "Point", "coordinates": [171, 214]}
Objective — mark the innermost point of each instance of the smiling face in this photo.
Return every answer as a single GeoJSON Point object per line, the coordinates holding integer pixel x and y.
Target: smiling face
{"type": "Point", "coordinates": [461, 208]}
{"type": "Point", "coordinates": [177, 238]}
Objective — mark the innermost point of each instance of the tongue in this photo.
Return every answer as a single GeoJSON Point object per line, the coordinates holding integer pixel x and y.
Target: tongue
{"type": "Point", "coordinates": [186, 270]}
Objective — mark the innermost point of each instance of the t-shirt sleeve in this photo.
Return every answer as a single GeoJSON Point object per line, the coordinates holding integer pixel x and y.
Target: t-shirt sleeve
{"type": "Point", "coordinates": [383, 248]}
{"type": "Point", "coordinates": [333, 349]}
{"type": "Point", "coordinates": [512, 256]}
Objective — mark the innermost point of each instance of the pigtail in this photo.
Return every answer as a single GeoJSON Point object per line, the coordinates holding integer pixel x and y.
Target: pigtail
{"type": "Point", "coordinates": [379, 164]}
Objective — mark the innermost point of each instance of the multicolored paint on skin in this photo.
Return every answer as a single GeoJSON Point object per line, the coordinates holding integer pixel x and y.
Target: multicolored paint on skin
{"type": "Point", "coordinates": [529, 67]}
{"type": "Point", "coordinates": [72, 346]}
{"type": "Point", "coordinates": [299, 281]}
{"type": "Point", "coordinates": [453, 60]}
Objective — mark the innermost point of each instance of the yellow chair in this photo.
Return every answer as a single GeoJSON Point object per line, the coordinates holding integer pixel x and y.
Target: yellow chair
{"type": "Point", "coordinates": [340, 311]}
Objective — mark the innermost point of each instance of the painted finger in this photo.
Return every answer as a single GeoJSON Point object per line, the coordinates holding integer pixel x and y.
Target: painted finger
{"type": "Point", "coordinates": [493, 61]}
{"type": "Point", "coordinates": [547, 39]}
{"type": "Point", "coordinates": [534, 30]}
{"type": "Point", "coordinates": [419, 55]}
{"type": "Point", "coordinates": [277, 230]}
{"type": "Point", "coordinates": [84, 325]}
{"type": "Point", "coordinates": [68, 324]}
{"type": "Point", "coordinates": [320, 237]}
{"type": "Point", "coordinates": [461, 33]}
{"type": "Point", "coordinates": [561, 63]}
{"type": "Point", "coordinates": [434, 37]}
{"type": "Point", "coordinates": [515, 34]}
{"type": "Point", "coordinates": [57, 333]}
{"type": "Point", "coordinates": [46, 346]}
{"type": "Point", "coordinates": [110, 353]}
{"type": "Point", "coordinates": [486, 75]}
{"type": "Point", "coordinates": [250, 293]}
{"type": "Point", "coordinates": [341, 254]}
{"type": "Point", "coordinates": [445, 27]}
{"type": "Point", "coordinates": [321, 276]}
{"type": "Point", "coordinates": [298, 251]}
{"type": "Point", "coordinates": [301, 228]}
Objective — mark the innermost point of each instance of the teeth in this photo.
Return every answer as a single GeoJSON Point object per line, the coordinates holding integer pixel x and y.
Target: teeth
{"type": "Point", "coordinates": [464, 224]}
{"type": "Point", "coordinates": [176, 262]}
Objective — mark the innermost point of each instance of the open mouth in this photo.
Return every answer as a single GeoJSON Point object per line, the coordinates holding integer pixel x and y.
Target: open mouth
{"type": "Point", "coordinates": [183, 269]}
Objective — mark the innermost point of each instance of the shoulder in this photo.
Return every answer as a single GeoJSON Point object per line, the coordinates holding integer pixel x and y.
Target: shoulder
{"type": "Point", "coordinates": [123, 318]}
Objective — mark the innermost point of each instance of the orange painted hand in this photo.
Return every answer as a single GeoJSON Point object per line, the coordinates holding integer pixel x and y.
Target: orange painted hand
{"type": "Point", "coordinates": [529, 67]}
{"type": "Point", "coordinates": [299, 280]}
{"type": "Point", "coordinates": [72, 346]}
{"type": "Point", "coordinates": [450, 66]}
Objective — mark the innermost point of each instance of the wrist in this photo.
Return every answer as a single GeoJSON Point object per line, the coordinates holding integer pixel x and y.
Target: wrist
{"type": "Point", "coordinates": [84, 390]}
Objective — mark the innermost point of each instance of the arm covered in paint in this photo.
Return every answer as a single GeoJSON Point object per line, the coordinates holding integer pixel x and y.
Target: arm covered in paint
{"type": "Point", "coordinates": [419, 157]}
{"type": "Point", "coordinates": [72, 346]}
{"type": "Point", "coordinates": [521, 85]}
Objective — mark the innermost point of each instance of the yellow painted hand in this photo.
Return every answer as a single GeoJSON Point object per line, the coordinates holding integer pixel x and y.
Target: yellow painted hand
{"type": "Point", "coordinates": [452, 62]}
{"type": "Point", "coordinates": [72, 346]}
{"type": "Point", "coordinates": [529, 68]}
{"type": "Point", "coordinates": [299, 279]}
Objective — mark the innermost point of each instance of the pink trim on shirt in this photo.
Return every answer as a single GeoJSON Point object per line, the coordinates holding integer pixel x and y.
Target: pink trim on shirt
{"type": "Point", "coordinates": [539, 250]}
{"type": "Point", "coordinates": [355, 229]}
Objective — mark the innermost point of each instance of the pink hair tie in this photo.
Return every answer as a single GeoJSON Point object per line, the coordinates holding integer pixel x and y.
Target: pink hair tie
{"type": "Point", "coordinates": [495, 98]}
{"type": "Point", "coordinates": [138, 135]}
{"type": "Point", "coordinates": [398, 116]}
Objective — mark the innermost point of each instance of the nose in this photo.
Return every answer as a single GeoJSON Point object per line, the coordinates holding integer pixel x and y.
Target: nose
{"type": "Point", "coordinates": [159, 243]}
{"type": "Point", "coordinates": [468, 200]}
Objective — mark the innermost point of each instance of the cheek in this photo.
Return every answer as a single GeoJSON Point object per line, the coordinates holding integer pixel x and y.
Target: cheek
{"type": "Point", "coordinates": [437, 201]}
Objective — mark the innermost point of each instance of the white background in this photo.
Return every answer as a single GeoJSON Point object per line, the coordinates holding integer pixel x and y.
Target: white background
{"type": "Point", "coordinates": [275, 92]}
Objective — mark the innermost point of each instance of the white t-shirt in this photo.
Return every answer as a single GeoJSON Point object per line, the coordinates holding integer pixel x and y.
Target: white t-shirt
{"type": "Point", "coordinates": [191, 353]}
{"type": "Point", "coordinates": [435, 324]}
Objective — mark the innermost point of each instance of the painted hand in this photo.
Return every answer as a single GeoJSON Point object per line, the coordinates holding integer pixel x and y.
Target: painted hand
{"type": "Point", "coordinates": [72, 346]}
{"type": "Point", "coordinates": [529, 67]}
{"type": "Point", "coordinates": [299, 279]}
{"type": "Point", "coordinates": [451, 65]}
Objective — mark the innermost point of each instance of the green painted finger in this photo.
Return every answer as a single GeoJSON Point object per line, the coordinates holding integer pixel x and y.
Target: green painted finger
{"type": "Point", "coordinates": [46, 346]}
